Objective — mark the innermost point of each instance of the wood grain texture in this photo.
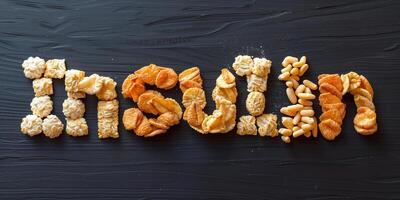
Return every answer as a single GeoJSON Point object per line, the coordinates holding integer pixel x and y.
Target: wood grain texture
{"type": "Point", "coordinates": [113, 38]}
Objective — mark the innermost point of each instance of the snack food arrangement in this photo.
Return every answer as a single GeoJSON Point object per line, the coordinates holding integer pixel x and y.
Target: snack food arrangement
{"type": "Point", "coordinates": [169, 112]}
{"type": "Point", "coordinates": [41, 120]}
{"type": "Point", "coordinates": [256, 71]}
{"type": "Point", "coordinates": [76, 86]}
{"type": "Point", "coordinates": [299, 117]}
{"type": "Point", "coordinates": [223, 118]}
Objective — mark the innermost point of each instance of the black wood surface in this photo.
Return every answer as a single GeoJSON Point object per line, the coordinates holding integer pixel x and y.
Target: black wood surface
{"type": "Point", "coordinates": [113, 38]}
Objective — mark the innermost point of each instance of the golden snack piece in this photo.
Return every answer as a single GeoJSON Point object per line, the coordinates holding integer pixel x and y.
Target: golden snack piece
{"type": "Point", "coordinates": [162, 77]}
{"type": "Point", "coordinates": [289, 60]}
{"type": "Point", "coordinates": [256, 83]}
{"type": "Point", "coordinates": [34, 67]}
{"type": "Point", "coordinates": [194, 95]}
{"type": "Point", "coordinates": [369, 131]}
{"type": "Point", "coordinates": [41, 106]}
{"type": "Point", "coordinates": [73, 108]}
{"type": "Point", "coordinates": [361, 92]}
{"type": "Point", "coordinates": [328, 98]}
{"type": "Point", "coordinates": [310, 84]}
{"type": "Point", "coordinates": [246, 125]}
{"type": "Point", "coordinates": [243, 65]}
{"type": "Point", "coordinates": [229, 94]}
{"type": "Point", "coordinates": [76, 95]}
{"type": "Point", "coordinates": [345, 82]}
{"type": "Point", "coordinates": [194, 115]}
{"type": "Point", "coordinates": [107, 114]}
{"type": "Point", "coordinates": [327, 88]}
{"type": "Point", "coordinates": [107, 91]}
{"type": "Point", "coordinates": [291, 95]}
{"type": "Point", "coordinates": [42, 86]}
{"type": "Point", "coordinates": [72, 79]}
{"type": "Point", "coordinates": [362, 101]}
{"type": "Point", "coordinates": [55, 68]}
{"type": "Point", "coordinates": [365, 118]}
{"type": "Point", "coordinates": [226, 79]}
{"type": "Point", "coordinates": [340, 107]}
{"type": "Point", "coordinates": [131, 118]}
{"type": "Point", "coordinates": [261, 67]}
{"type": "Point", "coordinates": [169, 119]}
{"type": "Point", "coordinates": [149, 73]}
{"type": "Point", "coordinates": [163, 105]}
{"type": "Point", "coordinates": [190, 78]}
{"type": "Point", "coordinates": [222, 120]}
{"type": "Point", "coordinates": [333, 114]}
{"type": "Point", "coordinates": [132, 87]}
{"type": "Point", "coordinates": [77, 127]}
{"type": "Point", "coordinates": [355, 80]}
{"type": "Point", "coordinates": [285, 139]}
{"type": "Point", "coordinates": [267, 125]}
{"type": "Point", "coordinates": [31, 125]}
{"type": "Point", "coordinates": [329, 129]}
{"type": "Point", "coordinates": [366, 85]}
{"type": "Point", "coordinates": [166, 79]}
{"type": "Point", "coordinates": [144, 127]}
{"type": "Point", "coordinates": [52, 126]}
{"type": "Point", "coordinates": [91, 85]}
{"type": "Point", "coordinates": [213, 123]}
{"type": "Point", "coordinates": [255, 103]}
{"type": "Point", "coordinates": [145, 101]}
{"type": "Point", "coordinates": [331, 79]}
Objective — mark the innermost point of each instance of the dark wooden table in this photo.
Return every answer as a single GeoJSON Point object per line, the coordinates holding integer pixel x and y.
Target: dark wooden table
{"type": "Point", "coordinates": [113, 38]}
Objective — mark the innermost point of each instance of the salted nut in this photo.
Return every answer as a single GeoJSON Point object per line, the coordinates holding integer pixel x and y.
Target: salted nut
{"type": "Point", "coordinates": [300, 119]}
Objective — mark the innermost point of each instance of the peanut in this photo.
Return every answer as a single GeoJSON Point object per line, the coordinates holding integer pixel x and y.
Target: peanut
{"type": "Point", "coordinates": [285, 139]}
{"type": "Point", "coordinates": [300, 89]}
{"type": "Point", "coordinates": [294, 71]}
{"type": "Point", "coordinates": [294, 81]}
{"type": "Point", "coordinates": [285, 131]}
{"type": "Point", "coordinates": [285, 111]}
{"type": "Point", "coordinates": [305, 102]}
{"type": "Point", "coordinates": [307, 120]}
{"type": "Point", "coordinates": [289, 60]}
{"type": "Point", "coordinates": [298, 133]}
{"type": "Point", "coordinates": [306, 96]}
{"type": "Point", "coordinates": [291, 95]}
{"type": "Point", "coordinates": [303, 69]}
{"type": "Point", "coordinates": [286, 69]}
{"type": "Point", "coordinates": [289, 84]}
{"type": "Point", "coordinates": [294, 108]}
{"type": "Point", "coordinates": [310, 84]}
{"type": "Point", "coordinates": [306, 127]}
{"type": "Point", "coordinates": [284, 77]}
{"type": "Point", "coordinates": [296, 119]}
{"type": "Point", "coordinates": [287, 122]}
{"type": "Point", "coordinates": [307, 113]}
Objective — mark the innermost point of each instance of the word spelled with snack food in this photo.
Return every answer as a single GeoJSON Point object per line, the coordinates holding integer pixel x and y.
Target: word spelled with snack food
{"type": "Point", "coordinates": [299, 116]}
